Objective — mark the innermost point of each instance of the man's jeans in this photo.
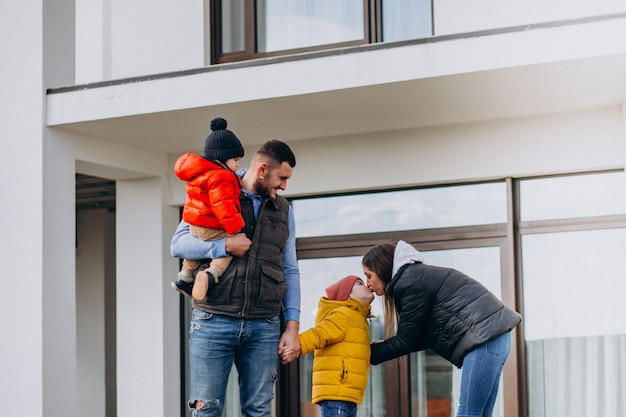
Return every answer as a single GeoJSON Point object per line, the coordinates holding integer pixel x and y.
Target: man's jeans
{"type": "Point", "coordinates": [215, 341]}
{"type": "Point", "coordinates": [480, 377]}
{"type": "Point", "coordinates": [337, 409]}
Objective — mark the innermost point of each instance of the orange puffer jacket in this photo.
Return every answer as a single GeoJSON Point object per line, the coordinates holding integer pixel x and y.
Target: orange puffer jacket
{"type": "Point", "coordinates": [212, 194]}
{"type": "Point", "coordinates": [341, 340]}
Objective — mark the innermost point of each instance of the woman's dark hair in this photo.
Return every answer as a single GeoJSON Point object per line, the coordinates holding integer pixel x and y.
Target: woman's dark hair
{"type": "Point", "coordinates": [380, 260]}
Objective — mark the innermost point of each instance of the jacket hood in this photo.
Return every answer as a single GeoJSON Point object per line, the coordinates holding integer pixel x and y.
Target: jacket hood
{"type": "Point", "coordinates": [326, 306]}
{"type": "Point", "coordinates": [404, 254]}
{"type": "Point", "coordinates": [190, 165]}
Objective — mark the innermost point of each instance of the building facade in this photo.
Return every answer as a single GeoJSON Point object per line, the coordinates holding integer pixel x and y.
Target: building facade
{"type": "Point", "coordinates": [490, 135]}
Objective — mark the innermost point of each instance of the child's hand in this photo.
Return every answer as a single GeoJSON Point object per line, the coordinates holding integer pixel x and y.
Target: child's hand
{"type": "Point", "coordinates": [286, 352]}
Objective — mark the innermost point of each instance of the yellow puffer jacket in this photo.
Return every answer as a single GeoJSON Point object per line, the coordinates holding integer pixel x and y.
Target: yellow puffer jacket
{"type": "Point", "coordinates": [341, 340]}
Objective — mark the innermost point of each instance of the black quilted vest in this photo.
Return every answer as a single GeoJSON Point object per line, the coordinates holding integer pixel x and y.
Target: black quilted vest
{"type": "Point", "coordinates": [253, 286]}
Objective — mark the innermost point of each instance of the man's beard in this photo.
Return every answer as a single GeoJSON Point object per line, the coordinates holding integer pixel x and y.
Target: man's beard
{"type": "Point", "coordinates": [263, 189]}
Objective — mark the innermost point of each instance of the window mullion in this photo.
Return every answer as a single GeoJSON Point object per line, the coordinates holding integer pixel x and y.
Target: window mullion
{"type": "Point", "coordinates": [373, 16]}
{"type": "Point", "coordinates": [250, 30]}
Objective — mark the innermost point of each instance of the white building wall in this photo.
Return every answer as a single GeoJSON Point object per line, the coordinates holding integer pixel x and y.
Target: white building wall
{"type": "Point", "coordinates": [450, 16]}
{"type": "Point", "coordinates": [578, 141]}
{"type": "Point", "coordinates": [21, 205]}
{"type": "Point", "coordinates": [119, 39]}
{"type": "Point", "coordinates": [93, 41]}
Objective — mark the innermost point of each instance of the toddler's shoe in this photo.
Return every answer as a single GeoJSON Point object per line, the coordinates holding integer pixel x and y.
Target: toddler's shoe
{"type": "Point", "coordinates": [201, 285]}
{"type": "Point", "coordinates": [184, 284]}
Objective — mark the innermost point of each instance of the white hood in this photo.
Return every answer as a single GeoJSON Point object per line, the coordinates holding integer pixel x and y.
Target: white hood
{"type": "Point", "coordinates": [404, 254]}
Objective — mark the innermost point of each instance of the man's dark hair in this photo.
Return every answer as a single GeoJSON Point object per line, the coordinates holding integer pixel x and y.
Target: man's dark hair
{"type": "Point", "coordinates": [277, 151]}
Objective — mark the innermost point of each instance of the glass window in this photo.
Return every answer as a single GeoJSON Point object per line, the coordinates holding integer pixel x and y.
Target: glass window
{"type": "Point", "coordinates": [463, 205]}
{"type": "Point", "coordinates": [573, 196]}
{"type": "Point", "coordinates": [574, 322]}
{"type": "Point", "coordinates": [406, 19]}
{"type": "Point", "coordinates": [233, 26]}
{"type": "Point", "coordinates": [289, 24]}
{"type": "Point", "coordinates": [262, 28]}
{"type": "Point", "coordinates": [567, 286]}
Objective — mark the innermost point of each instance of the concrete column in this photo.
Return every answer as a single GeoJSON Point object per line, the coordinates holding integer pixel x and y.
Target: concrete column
{"type": "Point", "coordinates": [147, 310]}
{"type": "Point", "coordinates": [59, 279]}
{"type": "Point", "coordinates": [21, 202]}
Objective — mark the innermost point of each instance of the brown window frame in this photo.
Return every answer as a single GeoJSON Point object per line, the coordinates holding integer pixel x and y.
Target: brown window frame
{"type": "Point", "coordinates": [372, 29]}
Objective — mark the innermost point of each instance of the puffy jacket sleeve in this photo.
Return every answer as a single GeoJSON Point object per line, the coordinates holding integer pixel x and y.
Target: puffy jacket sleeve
{"type": "Point", "coordinates": [224, 193]}
{"type": "Point", "coordinates": [329, 331]}
{"type": "Point", "coordinates": [413, 303]}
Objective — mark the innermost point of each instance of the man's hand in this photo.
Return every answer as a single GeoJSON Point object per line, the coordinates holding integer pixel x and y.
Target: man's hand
{"type": "Point", "coordinates": [238, 245]}
{"type": "Point", "coordinates": [289, 345]}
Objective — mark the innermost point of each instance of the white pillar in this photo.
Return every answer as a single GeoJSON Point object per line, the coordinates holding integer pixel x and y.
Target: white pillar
{"type": "Point", "coordinates": [147, 309]}
{"type": "Point", "coordinates": [21, 205]}
{"type": "Point", "coordinates": [59, 279]}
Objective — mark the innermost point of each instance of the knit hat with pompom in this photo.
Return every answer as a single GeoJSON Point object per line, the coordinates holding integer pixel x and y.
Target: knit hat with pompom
{"type": "Point", "coordinates": [222, 144]}
{"type": "Point", "coordinates": [340, 290]}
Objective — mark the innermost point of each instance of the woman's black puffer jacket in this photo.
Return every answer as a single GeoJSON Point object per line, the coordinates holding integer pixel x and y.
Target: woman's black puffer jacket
{"type": "Point", "coordinates": [444, 310]}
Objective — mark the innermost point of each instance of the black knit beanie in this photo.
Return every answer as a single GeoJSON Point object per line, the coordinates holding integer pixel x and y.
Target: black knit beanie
{"type": "Point", "coordinates": [222, 144]}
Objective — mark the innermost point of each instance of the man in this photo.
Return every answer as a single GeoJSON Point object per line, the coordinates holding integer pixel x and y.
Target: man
{"type": "Point", "coordinates": [239, 318]}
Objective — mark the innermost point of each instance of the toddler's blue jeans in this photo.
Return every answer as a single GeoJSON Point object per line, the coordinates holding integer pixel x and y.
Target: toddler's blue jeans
{"type": "Point", "coordinates": [337, 409]}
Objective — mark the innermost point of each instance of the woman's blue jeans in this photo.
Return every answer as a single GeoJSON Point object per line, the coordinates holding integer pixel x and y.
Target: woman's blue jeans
{"type": "Point", "coordinates": [215, 342]}
{"type": "Point", "coordinates": [480, 377]}
{"type": "Point", "coordinates": [337, 409]}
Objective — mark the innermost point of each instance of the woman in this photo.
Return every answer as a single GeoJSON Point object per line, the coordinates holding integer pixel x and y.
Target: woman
{"type": "Point", "coordinates": [444, 310]}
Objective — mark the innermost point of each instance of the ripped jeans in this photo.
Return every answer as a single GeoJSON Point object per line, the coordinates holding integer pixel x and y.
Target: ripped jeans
{"type": "Point", "coordinates": [215, 342]}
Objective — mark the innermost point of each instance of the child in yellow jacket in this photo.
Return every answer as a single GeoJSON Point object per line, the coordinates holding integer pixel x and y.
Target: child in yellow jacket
{"type": "Point", "coordinates": [341, 340]}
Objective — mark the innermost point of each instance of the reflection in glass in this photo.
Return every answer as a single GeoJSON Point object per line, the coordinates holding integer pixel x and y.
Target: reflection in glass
{"type": "Point", "coordinates": [574, 323]}
{"type": "Point", "coordinates": [291, 24]}
{"type": "Point", "coordinates": [232, 26]}
{"type": "Point", "coordinates": [463, 205]}
{"type": "Point", "coordinates": [569, 275]}
{"type": "Point", "coordinates": [406, 19]}
{"type": "Point", "coordinates": [573, 196]}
